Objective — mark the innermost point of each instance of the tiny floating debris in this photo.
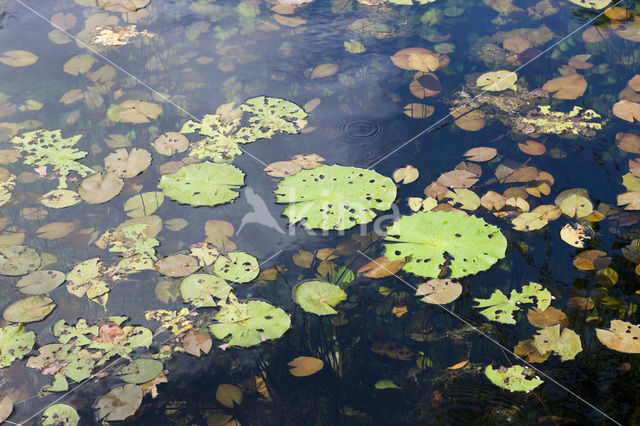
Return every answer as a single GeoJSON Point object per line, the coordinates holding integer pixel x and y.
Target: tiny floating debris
{"type": "Point", "coordinates": [114, 35]}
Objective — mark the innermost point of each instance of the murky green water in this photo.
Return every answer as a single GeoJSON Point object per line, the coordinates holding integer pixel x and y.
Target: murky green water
{"type": "Point", "coordinates": [374, 86]}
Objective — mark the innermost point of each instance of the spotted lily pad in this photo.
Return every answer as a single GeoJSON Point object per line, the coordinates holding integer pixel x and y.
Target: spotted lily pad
{"type": "Point", "coordinates": [15, 343]}
{"type": "Point", "coordinates": [140, 371]}
{"type": "Point", "coordinates": [47, 147]}
{"type": "Point", "coordinates": [425, 237]}
{"type": "Point", "coordinates": [201, 289]}
{"type": "Point", "coordinates": [622, 336]}
{"type": "Point", "coordinates": [274, 114]}
{"type": "Point", "coordinates": [119, 403]}
{"type": "Point", "coordinates": [335, 197]}
{"type": "Point", "coordinates": [87, 278]}
{"type": "Point", "coordinates": [566, 344]}
{"type": "Point", "coordinates": [60, 415]}
{"type": "Point", "coordinates": [514, 378]}
{"type": "Point", "coordinates": [250, 323]}
{"type": "Point", "coordinates": [500, 308]}
{"type": "Point", "coordinates": [29, 309]}
{"type": "Point", "coordinates": [238, 267]}
{"type": "Point", "coordinates": [60, 198]}
{"type": "Point", "coordinates": [40, 282]}
{"type": "Point", "coordinates": [18, 260]}
{"type": "Point", "coordinates": [319, 297]}
{"type": "Point", "coordinates": [203, 184]}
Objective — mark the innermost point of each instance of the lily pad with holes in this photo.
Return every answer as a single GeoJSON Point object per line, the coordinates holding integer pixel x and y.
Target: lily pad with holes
{"type": "Point", "coordinates": [29, 309]}
{"type": "Point", "coordinates": [40, 282]}
{"type": "Point", "coordinates": [319, 297]}
{"type": "Point", "coordinates": [500, 308]}
{"type": "Point", "coordinates": [514, 378]}
{"type": "Point", "coordinates": [250, 323]}
{"type": "Point", "coordinates": [335, 197]}
{"type": "Point", "coordinates": [15, 343]}
{"type": "Point", "coordinates": [18, 260]}
{"type": "Point", "coordinates": [238, 267]}
{"type": "Point", "coordinates": [203, 184]}
{"type": "Point", "coordinates": [201, 290]}
{"type": "Point", "coordinates": [272, 115]}
{"type": "Point", "coordinates": [566, 344]}
{"type": "Point", "coordinates": [140, 371]}
{"type": "Point", "coordinates": [622, 336]}
{"type": "Point", "coordinates": [60, 414]}
{"type": "Point", "coordinates": [471, 244]}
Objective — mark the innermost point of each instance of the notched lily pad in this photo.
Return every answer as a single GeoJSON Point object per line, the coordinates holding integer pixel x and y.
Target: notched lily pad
{"type": "Point", "coordinates": [201, 290]}
{"type": "Point", "coordinates": [238, 267]}
{"type": "Point", "coordinates": [319, 297]}
{"type": "Point", "coordinates": [513, 379]}
{"type": "Point", "coordinates": [140, 370]}
{"type": "Point", "coordinates": [40, 282]}
{"type": "Point", "coordinates": [29, 309]}
{"type": "Point", "coordinates": [60, 415]}
{"type": "Point", "coordinates": [119, 403]}
{"type": "Point", "coordinates": [18, 260]}
{"type": "Point", "coordinates": [471, 244]}
{"type": "Point", "coordinates": [335, 197]}
{"type": "Point", "coordinates": [15, 343]}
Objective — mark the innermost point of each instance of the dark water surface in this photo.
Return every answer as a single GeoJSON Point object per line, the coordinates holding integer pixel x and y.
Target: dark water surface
{"type": "Point", "coordinates": [204, 54]}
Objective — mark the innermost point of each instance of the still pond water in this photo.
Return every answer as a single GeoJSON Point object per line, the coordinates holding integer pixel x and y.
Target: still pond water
{"type": "Point", "coordinates": [129, 296]}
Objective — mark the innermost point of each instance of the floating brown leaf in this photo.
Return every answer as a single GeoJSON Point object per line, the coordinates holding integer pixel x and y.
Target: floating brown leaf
{"type": "Point", "coordinates": [381, 267]}
{"type": "Point", "coordinates": [303, 366]}
{"type": "Point", "coordinates": [627, 110]}
{"type": "Point", "coordinates": [548, 317]}
{"type": "Point", "coordinates": [570, 87]}
{"type": "Point", "coordinates": [393, 350]}
{"type": "Point", "coordinates": [590, 260]}
{"type": "Point", "coordinates": [416, 58]}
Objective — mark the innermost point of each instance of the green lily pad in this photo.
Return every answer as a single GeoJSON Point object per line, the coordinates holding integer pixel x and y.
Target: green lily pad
{"type": "Point", "coordinates": [140, 371]}
{"type": "Point", "coordinates": [15, 343]}
{"type": "Point", "coordinates": [86, 278]}
{"type": "Point", "coordinates": [567, 344]}
{"type": "Point", "coordinates": [335, 197]}
{"type": "Point", "coordinates": [514, 378]}
{"type": "Point", "coordinates": [319, 297]}
{"type": "Point", "coordinates": [425, 237]}
{"type": "Point", "coordinates": [123, 344]}
{"type": "Point", "coordinates": [60, 415]}
{"type": "Point", "coordinates": [500, 308]}
{"type": "Point", "coordinates": [48, 148]}
{"type": "Point", "coordinates": [203, 184]}
{"type": "Point", "coordinates": [386, 384]}
{"type": "Point", "coordinates": [201, 289]}
{"type": "Point", "coordinates": [272, 115]}
{"type": "Point", "coordinates": [82, 334]}
{"type": "Point", "coordinates": [68, 360]}
{"type": "Point", "coordinates": [119, 403]}
{"type": "Point", "coordinates": [29, 309]}
{"type": "Point", "coordinates": [222, 137]}
{"type": "Point", "coordinates": [18, 260]}
{"type": "Point", "coordinates": [40, 282]}
{"type": "Point", "coordinates": [60, 198]}
{"type": "Point", "coordinates": [250, 323]}
{"type": "Point", "coordinates": [238, 267]}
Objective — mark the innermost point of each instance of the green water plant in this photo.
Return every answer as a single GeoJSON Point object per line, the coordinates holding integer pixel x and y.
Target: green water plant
{"type": "Point", "coordinates": [60, 414]}
{"type": "Point", "coordinates": [43, 148]}
{"type": "Point", "coordinates": [425, 238]}
{"type": "Point", "coordinates": [15, 343]}
{"type": "Point", "coordinates": [203, 184]}
{"type": "Point", "coordinates": [514, 379]}
{"type": "Point", "coordinates": [249, 323]}
{"type": "Point", "coordinates": [202, 290]}
{"type": "Point", "coordinates": [500, 308]}
{"type": "Point", "coordinates": [566, 344]}
{"type": "Point", "coordinates": [319, 297]}
{"type": "Point", "coordinates": [335, 197]}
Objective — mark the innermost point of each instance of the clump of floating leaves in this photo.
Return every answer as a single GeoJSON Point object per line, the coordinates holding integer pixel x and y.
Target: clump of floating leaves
{"type": "Point", "coordinates": [226, 130]}
{"type": "Point", "coordinates": [43, 148]}
{"type": "Point", "coordinates": [114, 35]}
{"type": "Point", "coordinates": [559, 123]}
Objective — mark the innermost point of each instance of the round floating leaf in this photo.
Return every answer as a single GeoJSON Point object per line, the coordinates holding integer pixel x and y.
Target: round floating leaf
{"type": "Point", "coordinates": [178, 265]}
{"type": "Point", "coordinates": [250, 323]}
{"type": "Point", "coordinates": [335, 197]}
{"type": "Point", "coordinates": [238, 267]}
{"type": "Point", "coordinates": [40, 282]}
{"type": "Point", "coordinates": [513, 378]}
{"type": "Point", "coordinates": [29, 309]}
{"type": "Point", "coordinates": [386, 384]}
{"type": "Point", "coordinates": [496, 81]}
{"type": "Point", "coordinates": [60, 198]}
{"type": "Point", "coordinates": [203, 184]}
{"type": "Point", "coordinates": [18, 58]}
{"type": "Point", "coordinates": [125, 164]}
{"type": "Point", "coordinates": [60, 414]}
{"type": "Point", "coordinates": [622, 336]}
{"type": "Point", "coordinates": [18, 260]}
{"type": "Point", "coordinates": [15, 343]}
{"type": "Point", "coordinates": [170, 143]}
{"type": "Point", "coordinates": [98, 189]}
{"type": "Point", "coordinates": [319, 297]}
{"type": "Point", "coordinates": [229, 395]}
{"type": "Point", "coordinates": [472, 244]}
{"type": "Point", "coordinates": [201, 289]}
{"type": "Point", "coordinates": [143, 204]}
{"type": "Point", "coordinates": [140, 371]}
{"type": "Point", "coordinates": [305, 366]}
{"type": "Point", "coordinates": [439, 291]}
{"type": "Point", "coordinates": [197, 343]}
{"type": "Point", "coordinates": [119, 403]}
{"type": "Point", "coordinates": [6, 408]}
